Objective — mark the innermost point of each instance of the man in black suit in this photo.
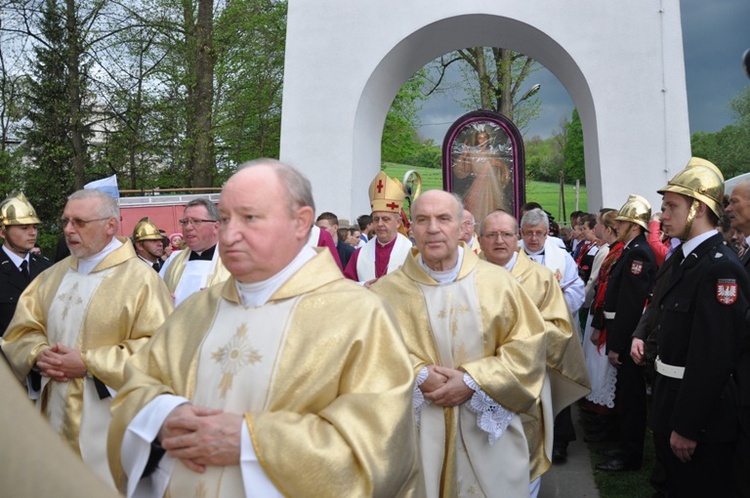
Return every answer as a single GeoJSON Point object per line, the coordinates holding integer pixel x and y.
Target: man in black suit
{"type": "Point", "coordinates": [700, 333]}
{"type": "Point", "coordinates": [330, 222]}
{"type": "Point", "coordinates": [738, 211]}
{"type": "Point", "coordinates": [18, 228]}
{"type": "Point", "coordinates": [628, 290]}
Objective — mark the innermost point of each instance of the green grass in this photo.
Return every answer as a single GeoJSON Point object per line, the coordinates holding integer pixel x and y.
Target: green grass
{"type": "Point", "coordinates": [546, 194]}
{"type": "Point", "coordinates": [634, 484]}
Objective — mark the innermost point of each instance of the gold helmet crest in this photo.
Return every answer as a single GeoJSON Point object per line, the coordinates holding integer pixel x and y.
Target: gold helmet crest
{"type": "Point", "coordinates": [700, 180]}
{"type": "Point", "coordinates": [635, 210]}
{"type": "Point", "coordinates": [146, 230]}
{"type": "Point", "coordinates": [17, 210]}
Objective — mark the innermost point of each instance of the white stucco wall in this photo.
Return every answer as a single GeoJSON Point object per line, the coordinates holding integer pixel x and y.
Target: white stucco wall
{"type": "Point", "coordinates": [621, 62]}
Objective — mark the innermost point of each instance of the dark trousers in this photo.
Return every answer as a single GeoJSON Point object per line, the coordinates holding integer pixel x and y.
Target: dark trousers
{"type": "Point", "coordinates": [632, 398]}
{"type": "Point", "coordinates": [564, 430]}
{"type": "Point", "coordinates": [708, 473]}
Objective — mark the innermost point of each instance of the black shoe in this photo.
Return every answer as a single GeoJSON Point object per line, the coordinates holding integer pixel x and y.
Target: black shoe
{"type": "Point", "coordinates": [617, 465]}
{"type": "Point", "coordinates": [559, 454]}
{"type": "Point", "coordinates": [612, 453]}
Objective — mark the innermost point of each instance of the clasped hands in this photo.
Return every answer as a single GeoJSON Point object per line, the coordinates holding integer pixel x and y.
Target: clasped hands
{"type": "Point", "coordinates": [200, 436]}
{"type": "Point", "coordinates": [445, 386]}
{"type": "Point", "coordinates": [61, 363]}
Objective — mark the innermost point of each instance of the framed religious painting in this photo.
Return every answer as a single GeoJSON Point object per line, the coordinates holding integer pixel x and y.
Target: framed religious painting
{"type": "Point", "coordinates": [483, 163]}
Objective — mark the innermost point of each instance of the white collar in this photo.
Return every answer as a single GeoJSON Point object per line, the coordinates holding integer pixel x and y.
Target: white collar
{"type": "Point", "coordinates": [258, 293]}
{"type": "Point", "coordinates": [86, 265]}
{"type": "Point", "coordinates": [689, 245]}
{"type": "Point", "coordinates": [510, 264]}
{"type": "Point", "coordinates": [444, 276]}
{"type": "Point", "coordinates": [17, 260]}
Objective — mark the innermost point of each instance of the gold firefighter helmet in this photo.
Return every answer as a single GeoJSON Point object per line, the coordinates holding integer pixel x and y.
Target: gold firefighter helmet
{"type": "Point", "coordinates": [146, 230]}
{"type": "Point", "coordinates": [17, 210]}
{"type": "Point", "coordinates": [635, 210]}
{"type": "Point", "coordinates": [700, 180]}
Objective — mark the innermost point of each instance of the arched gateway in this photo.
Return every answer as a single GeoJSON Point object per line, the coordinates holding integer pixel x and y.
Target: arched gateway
{"type": "Point", "coordinates": [621, 62]}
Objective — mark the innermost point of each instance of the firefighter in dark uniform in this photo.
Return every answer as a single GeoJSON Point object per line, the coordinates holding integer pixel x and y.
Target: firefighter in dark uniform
{"type": "Point", "coordinates": [628, 290]}
{"type": "Point", "coordinates": [19, 224]}
{"type": "Point", "coordinates": [700, 327]}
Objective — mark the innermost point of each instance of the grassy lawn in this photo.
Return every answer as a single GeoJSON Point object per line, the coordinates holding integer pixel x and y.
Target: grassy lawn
{"type": "Point", "coordinates": [546, 194]}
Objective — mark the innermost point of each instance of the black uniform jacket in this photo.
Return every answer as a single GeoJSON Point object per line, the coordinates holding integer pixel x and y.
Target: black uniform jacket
{"type": "Point", "coordinates": [700, 326]}
{"type": "Point", "coordinates": [13, 283]}
{"type": "Point", "coordinates": [628, 289]}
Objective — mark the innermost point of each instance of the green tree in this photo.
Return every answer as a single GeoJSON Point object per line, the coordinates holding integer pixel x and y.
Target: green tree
{"type": "Point", "coordinates": [48, 135]}
{"type": "Point", "coordinates": [400, 143]}
{"type": "Point", "coordinates": [574, 164]}
{"type": "Point", "coordinates": [250, 38]}
{"type": "Point", "coordinates": [728, 148]}
{"type": "Point", "coordinates": [493, 80]}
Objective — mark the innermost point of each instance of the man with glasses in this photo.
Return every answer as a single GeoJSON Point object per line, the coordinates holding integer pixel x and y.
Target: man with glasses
{"type": "Point", "coordinates": [567, 380]}
{"type": "Point", "coordinates": [198, 266]}
{"type": "Point", "coordinates": [539, 247]}
{"type": "Point", "coordinates": [79, 322]}
{"type": "Point", "coordinates": [386, 251]}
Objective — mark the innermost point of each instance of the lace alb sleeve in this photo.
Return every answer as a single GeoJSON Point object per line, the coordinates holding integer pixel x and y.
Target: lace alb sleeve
{"type": "Point", "coordinates": [491, 417]}
{"type": "Point", "coordinates": [418, 399]}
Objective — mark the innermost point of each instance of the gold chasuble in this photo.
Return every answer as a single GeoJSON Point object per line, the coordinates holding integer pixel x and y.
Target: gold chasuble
{"type": "Point", "coordinates": [327, 403]}
{"type": "Point", "coordinates": [212, 272]}
{"type": "Point", "coordinates": [485, 324]}
{"type": "Point", "coordinates": [567, 379]}
{"type": "Point", "coordinates": [107, 314]}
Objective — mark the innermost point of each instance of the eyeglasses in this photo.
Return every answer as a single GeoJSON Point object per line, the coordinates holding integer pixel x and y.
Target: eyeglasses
{"type": "Point", "coordinates": [77, 222]}
{"type": "Point", "coordinates": [191, 221]}
{"type": "Point", "coordinates": [495, 235]}
{"type": "Point", "coordinates": [532, 234]}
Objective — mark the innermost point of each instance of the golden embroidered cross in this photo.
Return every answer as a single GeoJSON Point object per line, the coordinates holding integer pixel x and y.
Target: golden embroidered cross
{"type": "Point", "coordinates": [234, 356]}
{"type": "Point", "coordinates": [69, 299]}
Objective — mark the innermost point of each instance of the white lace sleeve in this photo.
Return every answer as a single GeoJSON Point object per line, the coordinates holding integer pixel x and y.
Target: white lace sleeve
{"type": "Point", "coordinates": [418, 400]}
{"type": "Point", "coordinates": [491, 417]}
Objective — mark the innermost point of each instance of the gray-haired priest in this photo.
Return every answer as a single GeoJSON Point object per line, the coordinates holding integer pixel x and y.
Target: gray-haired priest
{"type": "Point", "coordinates": [477, 343]}
{"type": "Point", "coordinates": [251, 389]}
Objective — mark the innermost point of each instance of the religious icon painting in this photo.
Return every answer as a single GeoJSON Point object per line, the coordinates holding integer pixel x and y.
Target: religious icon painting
{"type": "Point", "coordinates": [483, 163]}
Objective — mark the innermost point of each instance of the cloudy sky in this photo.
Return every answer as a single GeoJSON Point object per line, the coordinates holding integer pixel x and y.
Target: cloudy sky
{"type": "Point", "coordinates": [715, 35]}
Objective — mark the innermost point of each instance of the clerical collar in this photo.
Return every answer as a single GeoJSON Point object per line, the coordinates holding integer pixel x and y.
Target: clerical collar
{"type": "Point", "coordinates": [86, 265]}
{"type": "Point", "coordinates": [510, 264]}
{"type": "Point", "coordinates": [689, 245]}
{"type": "Point", "coordinates": [393, 241]}
{"type": "Point", "coordinates": [540, 252]}
{"type": "Point", "coordinates": [258, 293]}
{"type": "Point", "coordinates": [445, 276]}
{"type": "Point", "coordinates": [17, 260]}
{"type": "Point", "coordinates": [207, 255]}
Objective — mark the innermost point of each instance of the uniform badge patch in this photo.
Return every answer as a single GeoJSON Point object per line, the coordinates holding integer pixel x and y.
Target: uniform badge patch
{"type": "Point", "coordinates": [636, 268]}
{"type": "Point", "coordinates": [726, 291]}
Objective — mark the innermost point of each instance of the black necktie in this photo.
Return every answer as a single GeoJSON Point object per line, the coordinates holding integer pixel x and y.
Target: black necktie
{"type": "Point", "coordinates": [156, 266]}
{"type": "Point", "coordinates": [676, 260]}
{"type": "Point", "coordinates": [25, 270]}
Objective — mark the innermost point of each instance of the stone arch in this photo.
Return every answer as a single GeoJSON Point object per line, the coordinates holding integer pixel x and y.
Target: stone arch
{"type": "Point", "coordinates": [366, 71]}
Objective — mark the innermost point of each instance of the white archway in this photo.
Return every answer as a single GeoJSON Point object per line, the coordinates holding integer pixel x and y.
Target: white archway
{"type": "Point", "coordinates": [622, 65]}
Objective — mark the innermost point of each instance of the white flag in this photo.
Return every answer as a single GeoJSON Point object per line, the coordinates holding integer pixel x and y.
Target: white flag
{"type": "Point", "coordinates": [107, 185]}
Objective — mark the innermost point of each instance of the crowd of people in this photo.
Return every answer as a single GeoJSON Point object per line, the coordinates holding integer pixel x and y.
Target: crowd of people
{"type": "Point", "coordinates": [207, 362]}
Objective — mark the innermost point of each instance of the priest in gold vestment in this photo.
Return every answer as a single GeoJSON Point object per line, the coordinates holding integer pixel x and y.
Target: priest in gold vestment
{"type": "Point", "coordinates": [477, 345]}
{"type": "Point", "coordinates": [251, 389]}
{"type": "Point", "coordinates": [198, 266]}
{"type": "Point", "coordinates": [566, 380]}
{"type": "Point", "coordinates": [78, 322]}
